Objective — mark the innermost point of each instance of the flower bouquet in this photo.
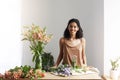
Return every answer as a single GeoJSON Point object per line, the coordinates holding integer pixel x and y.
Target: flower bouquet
{"type": "Point", "coordinates": [66, 70]}
{"type": "Point", "coordinates": [38, 38]}
{"type": "Point", "coordinates": [23, 72]}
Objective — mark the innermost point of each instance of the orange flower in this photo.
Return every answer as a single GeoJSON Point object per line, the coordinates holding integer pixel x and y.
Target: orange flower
{"type": "Point", "coordinates": [42, 74]}
{"type": "Point", "coordinates": [16, 75]}
{"type": "Point", "coordinates": [8, 74]}
{"type": "Point", "coordinates": [36, 33]}
{"type": "Point", "coordinates": [35, 36]}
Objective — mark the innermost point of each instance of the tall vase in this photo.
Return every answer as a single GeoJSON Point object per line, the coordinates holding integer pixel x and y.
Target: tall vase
{"type": "Point", "coordinates": [38, 62]}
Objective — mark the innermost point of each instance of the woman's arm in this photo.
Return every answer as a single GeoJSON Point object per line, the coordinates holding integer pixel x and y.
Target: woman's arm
{"type": "Point", "coordinates": [83, 51]}
{"type": "Point", "coordinates": [61, 41]}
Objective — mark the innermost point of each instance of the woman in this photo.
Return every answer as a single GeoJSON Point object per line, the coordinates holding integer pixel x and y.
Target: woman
{"type": "Point", "coordinates": [72, 45]}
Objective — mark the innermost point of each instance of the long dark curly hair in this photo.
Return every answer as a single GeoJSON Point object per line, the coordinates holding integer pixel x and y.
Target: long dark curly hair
{"type": "Point", "coordinates": [79, 33]}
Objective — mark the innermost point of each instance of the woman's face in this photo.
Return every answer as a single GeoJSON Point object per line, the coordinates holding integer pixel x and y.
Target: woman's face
{"type": "Point", "coordinates": [73, 28]}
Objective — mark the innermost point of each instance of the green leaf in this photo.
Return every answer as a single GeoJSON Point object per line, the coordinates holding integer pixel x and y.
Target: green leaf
{"type": "Point", "coordinates": [44, 29]}
{"type": "Point", "coordinates": [34, 57]}
{"type": "Point", "coordinates": [26, 68]}
{"type": "Point", "coordinates": [24, 39]}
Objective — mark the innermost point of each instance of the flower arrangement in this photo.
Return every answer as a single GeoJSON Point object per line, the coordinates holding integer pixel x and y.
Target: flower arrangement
{"type": "Point", "coordinates": [22, 72]}
{"type": "Point", "coordinates": [67, 70]}
{"type": "Point", "coordinates": [38, 38]}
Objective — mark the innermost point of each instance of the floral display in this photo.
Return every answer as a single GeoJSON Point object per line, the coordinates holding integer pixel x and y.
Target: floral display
{"type": "Point", "coordinates": [38, 38]}
{"type": "Point", "coordinates": [62, 70]}
{"type": "Point", "coordinates": [66, 70]}
{"type": "Point", "coordinates": [22, 72]}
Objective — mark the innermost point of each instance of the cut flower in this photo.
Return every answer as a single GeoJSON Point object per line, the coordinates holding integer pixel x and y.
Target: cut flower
{"type": "Point", "coordinates": [38, 38]}
{"type": "Point", "coordinates": [36, 34]}
{"type": "Point", "coordinates": [22, 72]}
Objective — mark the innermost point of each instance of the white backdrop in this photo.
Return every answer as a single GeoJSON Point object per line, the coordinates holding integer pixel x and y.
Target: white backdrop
{"type": "Point", "coordinates": [10, 34]}
{"type": "Point", "coordinates": [112, 31]}
{"type": "Point", "coordinates": [54, 14]}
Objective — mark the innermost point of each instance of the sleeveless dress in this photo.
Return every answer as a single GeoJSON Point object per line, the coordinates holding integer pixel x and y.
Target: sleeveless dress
{"type": "Point", "coordinates": [72, 52]}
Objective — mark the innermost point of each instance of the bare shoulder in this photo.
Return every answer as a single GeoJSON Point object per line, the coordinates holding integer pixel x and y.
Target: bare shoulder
{"type": "Point", "coordinates": [83, 40]}
{"type": "Point", "coordinates": [62, 40]}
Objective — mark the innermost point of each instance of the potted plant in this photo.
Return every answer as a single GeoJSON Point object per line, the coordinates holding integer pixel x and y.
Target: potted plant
{"type": "Point", "coordinates": [114, 70]}
{"type": "Point", "coordinates": [47, 61]}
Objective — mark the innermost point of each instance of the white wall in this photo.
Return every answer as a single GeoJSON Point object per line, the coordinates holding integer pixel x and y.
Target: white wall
{"type": "Point", "coordinates": [54, 14]}
{"type": "Point", "coordinates": [112, 31]}
{"type": "Point", "coordinates": [10, 34]}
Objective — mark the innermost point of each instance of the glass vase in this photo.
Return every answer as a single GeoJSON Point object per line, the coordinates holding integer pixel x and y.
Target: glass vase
{"type": "Point", "coordinates": [38, 62]}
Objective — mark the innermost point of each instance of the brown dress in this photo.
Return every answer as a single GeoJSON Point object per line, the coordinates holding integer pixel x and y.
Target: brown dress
{"type": "Point", "coordinates": [72, 52]}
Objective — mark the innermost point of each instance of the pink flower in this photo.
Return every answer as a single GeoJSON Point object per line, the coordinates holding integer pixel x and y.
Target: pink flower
{"type": "Point", "coordinates": [16, 75]}
{"type": "Point", "coordinates": [1, 75]}
{"type": "Point", "coordinates": [31, 71]}
{"type": "Point", "coordinates": [8, 74]}
{"type": "Point", "coordinates": [39, 35]}
{"type": "Point", "coordinates": [35, 36]}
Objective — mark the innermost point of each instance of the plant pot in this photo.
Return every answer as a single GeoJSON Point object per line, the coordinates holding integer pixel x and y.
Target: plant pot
{"type": "Point", "coordinates": [114, 74]}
